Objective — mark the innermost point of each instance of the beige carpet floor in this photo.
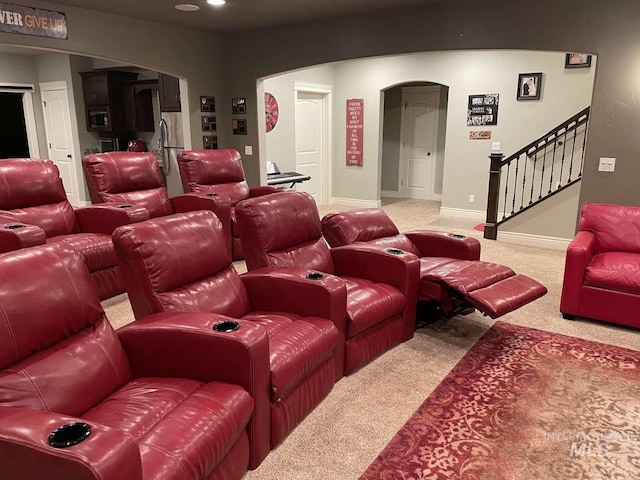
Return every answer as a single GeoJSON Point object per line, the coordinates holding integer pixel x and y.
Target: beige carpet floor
{"type": "Point", "coordinates": [345, 433]}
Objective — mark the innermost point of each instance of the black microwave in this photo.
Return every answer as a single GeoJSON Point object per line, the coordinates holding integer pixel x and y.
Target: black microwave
{"type": "Point", "coordinates": [98, 119]}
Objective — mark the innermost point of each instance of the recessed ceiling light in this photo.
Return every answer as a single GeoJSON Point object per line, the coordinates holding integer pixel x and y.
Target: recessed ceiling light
{"type": "Point", "coordinates": [187, 7]}
{"type": "Point", "coordinates": [217, 3]}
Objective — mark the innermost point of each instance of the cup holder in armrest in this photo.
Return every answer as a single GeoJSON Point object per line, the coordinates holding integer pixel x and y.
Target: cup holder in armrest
{"type": "Point", "coordinates": [125, 206]}
{"type": "Point", "coordinates": [395, 251]}
{"type": "Point", "coordinates": [211, 194]}
{"type": "Point", "coordinates": [228, 326]}
{"type": "Point", "coordinates": [314, 276]}
{"type": "Point", "coordinates": [69, 435]}
{"type": "Point", "coordinates": [14, 226]}
{"type": "Point", "coordinates": [457, 235]}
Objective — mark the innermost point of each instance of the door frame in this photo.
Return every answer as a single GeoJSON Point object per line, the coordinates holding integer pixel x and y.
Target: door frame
{"type": "Point", "coordinates": [62, 85]}
{"type": "Point", "coordinates": [26, 90]}
{"type": "Point", "coordinates": [403, 164]}
{"type": "Point", "coordinates": [325, 189]}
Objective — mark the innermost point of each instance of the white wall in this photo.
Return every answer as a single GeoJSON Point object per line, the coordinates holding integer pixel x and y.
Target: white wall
{"type": "Point", "coordinates": [564, 93]}
{"type": "Point", "coordinates": [280, 142]}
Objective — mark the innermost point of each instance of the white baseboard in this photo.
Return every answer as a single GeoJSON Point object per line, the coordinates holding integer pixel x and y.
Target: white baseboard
{"type": "Point", "coordinates": [354, 202]}
{"type": "Point", "coordinates": [390, 194]}
{"type": "Point", "coordinates": [460, 212]}
{"type": "Point", "coordinates": [533, 240]}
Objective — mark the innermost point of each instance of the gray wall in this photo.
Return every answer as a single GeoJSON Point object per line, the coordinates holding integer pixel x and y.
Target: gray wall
{"type": "Point", "coordinates": [608, 29]}
{"type": "Point", "coordinates": [391, 139]}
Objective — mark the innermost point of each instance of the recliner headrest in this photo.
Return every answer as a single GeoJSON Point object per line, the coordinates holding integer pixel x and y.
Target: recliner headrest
{"type": "Point", "coordinates": [28, 182]}
{"type": "Point", "coordinates": [118, 172]}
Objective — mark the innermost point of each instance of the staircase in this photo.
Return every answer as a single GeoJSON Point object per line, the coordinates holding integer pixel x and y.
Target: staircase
{"type": "Point", "coordinates": [534, 173]}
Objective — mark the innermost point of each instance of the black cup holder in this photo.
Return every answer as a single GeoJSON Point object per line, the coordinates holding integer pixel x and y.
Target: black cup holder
{"type": "Point", "coordinates": [69, 435]}
{"type": "Point", "coordinates": [395, 251]}
{"type": "Point", "coordinates": [314, 276]}
{"type": "Point", "coordinates": [14, 226]}
{"type": "Point", "coordinates": [212, 194]}
{"type": "Point", "coordinates": [228, 326]}
{"type": "Point", "coordinates": [125, 206]}
{"type": "Point", "coordinates": [457, 235]}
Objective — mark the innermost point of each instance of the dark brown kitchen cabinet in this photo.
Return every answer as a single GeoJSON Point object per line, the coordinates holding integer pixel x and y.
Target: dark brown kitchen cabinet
{"type": "Point", "coordinates": [116, 102]}
{"type": "Point", "coordinates": [138, 106]}
{"type": "Point", "coordinates": [101, 86]}
{"type": "Point", "coordinates": [169, 92]}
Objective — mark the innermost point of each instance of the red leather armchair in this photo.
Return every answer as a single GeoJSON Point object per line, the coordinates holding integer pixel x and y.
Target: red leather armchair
{"type": "Point", "coordinates": [177, 263]}
{"type": "Point", "coordinates": [602, 266]}
{"type": "Point", "coordinates": [164, 398]}
{"type": "Point", "coordinates": [284, 231]}
{"type": "Point", "coordinates": [452, 279]}
{"type": "Point", "coordinates": [135, 178]}
{"type": "Point", "coordinates": [221, 172]}
{"type": "Point", "coordinates": [34, 209]}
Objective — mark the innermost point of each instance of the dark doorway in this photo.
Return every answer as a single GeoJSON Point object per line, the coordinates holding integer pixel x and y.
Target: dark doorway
{"type": "Point", "coordinates": [13, 130]}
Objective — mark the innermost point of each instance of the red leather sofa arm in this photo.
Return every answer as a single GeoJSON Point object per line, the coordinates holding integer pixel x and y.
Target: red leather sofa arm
{"type": "Point", "coordinates": [297, 290]}
{"type": "Point", "coordinates": [184, 345]}
{"type": "Point", "coordinates": [25, 453]}
{"type": "Point", "coordinates": [400, 269]}
{"type": "Point", "coordinates": [579, 254]}
{"type": "Point", "coordinates": [263, 190]}
{"type": "Point", "coordinates": [444, 244]}
{"type": "Point", "coordinates": [16, 235]}
{"type": "Point", "coordinates": [106, 217]}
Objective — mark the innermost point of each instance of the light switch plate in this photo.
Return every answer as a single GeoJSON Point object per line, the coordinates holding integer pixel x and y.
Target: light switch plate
{"type": "Point", "coordinates": [496, 146]}
{"type": "Point", "coordinates": [248, 150]}
{"type": "Point", "coordinates": [607, 164]}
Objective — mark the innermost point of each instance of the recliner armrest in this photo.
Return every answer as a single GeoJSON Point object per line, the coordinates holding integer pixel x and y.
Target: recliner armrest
{"type": "Point", "coordinates": [184, 345]}
{"type": "Point", "coordinates": [579, 254]}
{"type": "Point", "coordinates": [287, 289]}
{"type": "Point", "coordinates": [432, 243]}
{"type": "Point", "coordinates": [383, 265]}
{"type": "Point", "coordinates": [106, 217]}
{"type": "Point", "coordinates": [106, 454]}
{"type": "Point", "coordinates": [16, 235]}
{"type": "Point", "coordinates": [377, 264]}
{"type": "Point", "coordinates": [263, 190]}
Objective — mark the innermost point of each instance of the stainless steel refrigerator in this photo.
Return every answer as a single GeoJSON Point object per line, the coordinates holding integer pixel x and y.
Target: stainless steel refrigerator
{"type": "Point", "coordinates": [170, 143]}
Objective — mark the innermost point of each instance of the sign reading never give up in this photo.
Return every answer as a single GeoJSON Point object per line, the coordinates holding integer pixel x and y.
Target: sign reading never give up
{"type": "Point", "coordinates": [32, 21]}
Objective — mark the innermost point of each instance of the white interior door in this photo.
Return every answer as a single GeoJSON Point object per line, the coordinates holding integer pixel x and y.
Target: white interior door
{"type": "Point", "coordinates": [310, 144]}
{"type": "Point", "coordinates": [419, 143]}
{"type": "Point", "coordinates": [57, 122]}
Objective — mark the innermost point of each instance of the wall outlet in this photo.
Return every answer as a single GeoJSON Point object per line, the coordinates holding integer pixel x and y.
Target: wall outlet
{"type": "Point", "coordinates": [248, 150]}
{"type": "Point", "coordinates": [496, 146]}
{"type": "Point", "coordinates": [607, 164]}
{"type": "Point", "coordinates": [472, 199]}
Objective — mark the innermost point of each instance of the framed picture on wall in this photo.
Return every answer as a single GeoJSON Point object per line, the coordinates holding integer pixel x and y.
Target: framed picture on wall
{"type": "Point", "coordinates": [529, 86]}
{"type": "Point", "coordinates": [577, 60]}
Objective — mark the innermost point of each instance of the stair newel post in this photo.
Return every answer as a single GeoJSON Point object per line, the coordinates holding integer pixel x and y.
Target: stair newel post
{"type": "Point", "coordinates": [491, 225]}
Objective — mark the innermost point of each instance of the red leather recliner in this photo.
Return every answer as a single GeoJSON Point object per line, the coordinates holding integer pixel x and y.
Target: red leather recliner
{"type": "Point", "coordinates": [451, 274]}
{"type": "Point", "coordinates": [602, 266]}
{"type": "Point", "coordinates": [135, 178]}
{"type": "Point", "coordinates": [221, 172]}
{"type": "Point", "coordinates": [34, 209]}
{"type": "Point", "coordinates": [382, 284]}
{"type": "Point", "coordinates": [164, 398]}
{"type": "Point", "coordinates": [178, 263]}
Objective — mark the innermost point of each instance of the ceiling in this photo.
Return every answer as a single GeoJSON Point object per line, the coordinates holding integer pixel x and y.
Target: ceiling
{"type": "Point", "coordinates": [239, 15]}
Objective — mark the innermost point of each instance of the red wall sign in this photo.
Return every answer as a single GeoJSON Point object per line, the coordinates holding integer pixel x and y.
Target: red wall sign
{"type": "Point", "coordinates": [355, 120]}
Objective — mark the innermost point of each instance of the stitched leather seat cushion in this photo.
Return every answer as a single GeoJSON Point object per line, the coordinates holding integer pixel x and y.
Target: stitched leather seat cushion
{"type": "Point", "coordinates": [370, 303]}
{"type": "Point", "coordinates": [615, 271]}
{"type": "Point", "coordinates": [180, 425]}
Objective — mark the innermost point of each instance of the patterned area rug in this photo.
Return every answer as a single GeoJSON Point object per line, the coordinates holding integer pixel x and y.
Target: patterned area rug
{"type": "Point", "coordinates": [525, 404]}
